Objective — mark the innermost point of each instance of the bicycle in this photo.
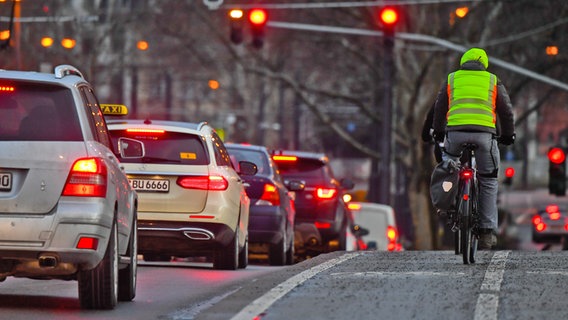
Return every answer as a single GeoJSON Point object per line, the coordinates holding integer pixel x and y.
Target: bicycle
{"type": "Point", "coordinates": [465, 219]}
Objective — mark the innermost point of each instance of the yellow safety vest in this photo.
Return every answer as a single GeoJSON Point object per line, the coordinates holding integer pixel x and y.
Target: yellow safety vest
{"type": "Point", "coordinates": [472, 95]}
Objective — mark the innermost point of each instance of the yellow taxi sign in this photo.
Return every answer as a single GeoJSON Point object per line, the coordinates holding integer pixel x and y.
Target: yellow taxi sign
{"type": "Point", "coordinates": [114, 109]}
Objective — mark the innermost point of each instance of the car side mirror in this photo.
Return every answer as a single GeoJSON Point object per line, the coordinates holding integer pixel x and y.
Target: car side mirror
{"type": "Point", "coordinates": [130, 148]}
{"type": "Point", "coordinates": [247, 168]}
{"type": "Point", "coordinates": [359, 231]}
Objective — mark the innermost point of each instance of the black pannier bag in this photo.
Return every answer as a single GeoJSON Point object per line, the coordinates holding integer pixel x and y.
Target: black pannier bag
{"type": "Point", "coordinates": [444, 185]}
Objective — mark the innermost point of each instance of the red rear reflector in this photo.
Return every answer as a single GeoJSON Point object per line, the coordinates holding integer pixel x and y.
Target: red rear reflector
{"type": "Point", "coordinates": [196, 216]}
{"type": "Point", "coordinates": [322, 225]}
{"type": "Point", "coordinates": [271, 194]}
{"type": "Point", "coordinates": [466, 197]}
{"type": "Point", "coordinates": [354, 206]}
{"type": "Point", "coordinates": [203, 182]}
{"type": "Point", "coordinates": [323, 193]}
{"type": "Point", "coordinates": [87, 179]}
{"type": "Point", "coordinates": [285, 158]}
{"type": "Point", "coordinates": [145, 131]}
{"type": "Point", "coordinates": [88, 243]}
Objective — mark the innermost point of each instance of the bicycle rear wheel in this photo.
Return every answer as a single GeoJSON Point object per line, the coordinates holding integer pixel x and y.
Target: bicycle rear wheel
{"type": "Point", "coordinates": [468, 241]}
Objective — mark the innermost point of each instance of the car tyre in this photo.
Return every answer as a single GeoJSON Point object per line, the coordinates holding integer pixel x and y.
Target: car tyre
{"type": "Point", "coordinates": [127, 276]}
{"type": "Point", "coordinates": [277, 253]}
{"type": "Point", "coordinates": [227, 257]}
{"type": "Point", "coordinates": [290, 253]}
{"type": "Point", "coordinates": [243, 256]}
{"type": "Point", "coordinates": [98, 287]}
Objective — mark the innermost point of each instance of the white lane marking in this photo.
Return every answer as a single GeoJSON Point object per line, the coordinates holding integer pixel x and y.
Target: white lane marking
{"type": "Point", "coordinates": [391, 274]}
{"type": "Point", "coordinates": [488, 301]}
{"type": "Point", "coordinates": [260, 305]}
{"type": "Point", "coordinates": [190, 313]}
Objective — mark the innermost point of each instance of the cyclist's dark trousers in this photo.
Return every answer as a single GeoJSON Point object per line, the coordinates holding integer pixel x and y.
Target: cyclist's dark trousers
{"type": "Point", "coordinates": [487, 158]}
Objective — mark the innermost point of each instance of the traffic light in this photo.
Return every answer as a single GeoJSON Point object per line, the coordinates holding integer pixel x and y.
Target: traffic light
{"type": "Point", "coordinates": [389, 18]}
{"type": "Point", "coordinates": [257, 19]}
{"type": "Point", "coordinates": [557, 171]}
{"type": "Point", "coordinates": [509, 174]}
{"type": "Point", "coordinates": [236, 16]}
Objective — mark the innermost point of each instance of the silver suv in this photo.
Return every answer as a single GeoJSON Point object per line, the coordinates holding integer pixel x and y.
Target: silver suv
{"type": "Point", "coordinates": [67, 210]}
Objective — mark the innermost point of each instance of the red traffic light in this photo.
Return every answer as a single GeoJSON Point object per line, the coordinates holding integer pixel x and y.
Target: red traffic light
{"type": "Point", "coordinates": [509, 172]}
{"type": "Point", "coordinates": [556, 155]}
{"type": "Point", "coordinates": [258, 17]}
{"type": "Point", "coordinates": [388, 16]}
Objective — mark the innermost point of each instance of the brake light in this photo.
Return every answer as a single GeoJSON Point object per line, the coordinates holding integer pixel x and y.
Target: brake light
{"type": "Point", "coordinates": [270, 196]}
{"type": "Point", "coordinates": [322, 225]}
{"type": "Point", "coordinates": [392, 234]}
{"type": "Point", "coordinates": [145, 131]}
{"type": "Point", "coordinates": [203, 182]}
{"type": "Point", "coordinates": [354, 206]}
{"type": "Point", "coordinates": [7, 89]}
{"type": "Point", "coordinates": [324, 193]}
{"type": "Point", "coordinates": [539, 225]}
{"type": "Point", "coordinates": [552, 208]}
{"type": "Point", "coordinates": [88, 178]}
{"type": "Point", "coordinates": [284, 158]}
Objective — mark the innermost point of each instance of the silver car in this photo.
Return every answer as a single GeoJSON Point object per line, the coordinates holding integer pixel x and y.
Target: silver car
{"type": "Point", "coordinates": [67, 210]}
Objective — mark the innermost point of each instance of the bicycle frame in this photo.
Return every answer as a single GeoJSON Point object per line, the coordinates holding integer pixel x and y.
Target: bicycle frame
{"type": "Point", "coordinates": [466, 218]}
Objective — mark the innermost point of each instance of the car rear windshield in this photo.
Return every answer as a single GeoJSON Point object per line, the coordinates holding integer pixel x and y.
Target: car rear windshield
{"type": "Point", "coordinates": [302, 168]}
{"type": "Point", "coordinates": [166, 147]}
{"type": "Point", "coordinates": [37, 112]}
{"type": "Point", "coordinates": [257, 157]}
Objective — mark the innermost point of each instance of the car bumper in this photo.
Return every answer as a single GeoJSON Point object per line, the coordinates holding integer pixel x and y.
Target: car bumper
{"type": "Point", "coordinates": [182, 239]}
{"type": "Point", "coordinates": [25, 240]}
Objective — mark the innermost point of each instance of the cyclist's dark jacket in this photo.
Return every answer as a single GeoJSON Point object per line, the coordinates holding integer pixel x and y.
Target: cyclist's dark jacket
{"type": "Point", "coordinates": [503, 108]}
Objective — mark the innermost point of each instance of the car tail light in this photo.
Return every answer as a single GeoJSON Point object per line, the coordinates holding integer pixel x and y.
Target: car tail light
{"type": "Point", "coordinates": [553, 212]}
{"type": "Point", "coordinates": [88, 178]}
{"type": "Point", "coordinates": [322, 225]}
{"type": "Point", "coordinates": [392, 236]}
{"type": "Point", "coordinates": [212, 182]}
{"type": "Point", "coordinates": [284, 158]}
{"type": "Point", "coordinates": [145, 131]}
{"type": "Point", "coordinates": [354, 206]}
{"type": "Point", "coordinates": [270, 196]}
{"type": "Point", "coordinates": [325, 193]}
{"type": "Point", "coordinates": [538, 223]}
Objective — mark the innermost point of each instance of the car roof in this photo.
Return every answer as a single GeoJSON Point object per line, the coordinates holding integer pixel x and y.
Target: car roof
{"type": "Point", "coordinates": [65, 75]}
{"type": "Point", "coordinates": [245, 146]}
{"type": "Point", "coordinates": [165, 124]}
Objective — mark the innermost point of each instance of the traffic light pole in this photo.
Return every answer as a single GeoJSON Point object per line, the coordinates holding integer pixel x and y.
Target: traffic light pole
{"type": "Point", "coordinates": [386, 137]}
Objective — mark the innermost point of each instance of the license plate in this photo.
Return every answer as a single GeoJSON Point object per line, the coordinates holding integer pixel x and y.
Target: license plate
{"type": "Point", "coordinates": [154, 185]}
{"type": "Point", "coordinates": [5, 181]}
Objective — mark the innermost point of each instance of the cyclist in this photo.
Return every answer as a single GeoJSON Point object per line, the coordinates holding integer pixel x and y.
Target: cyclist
{"type": "Point", "coordinates": [468, 106]}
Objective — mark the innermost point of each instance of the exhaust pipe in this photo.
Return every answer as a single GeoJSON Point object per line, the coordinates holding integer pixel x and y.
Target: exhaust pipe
{"type": "Point", "coordinates": [48, 261]}
{"type": "Point", "coordinates": [198, 235]}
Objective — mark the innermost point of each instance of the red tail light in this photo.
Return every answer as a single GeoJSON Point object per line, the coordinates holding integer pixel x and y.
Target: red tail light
{"type": "Point", "coordinates": [467, 174]}
{"type": "Point", "coordinates": [203, 182]}
{"type": "Point", "coordinates": [539, 225]}
{"type": "Point", "coordinates": [270, 195]}
{"type": "Point", "coordinates": [323, 193]}
{"type": "Point", "coordinates": [88, 178]}
{"type": "Point", "coordinates": [322, 225]}
{"type": "Point", "coordinates": [392, 234]}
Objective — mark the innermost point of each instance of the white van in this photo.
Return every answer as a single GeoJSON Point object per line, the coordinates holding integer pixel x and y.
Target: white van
{"type": "Point", "coordinates": [377, 227]}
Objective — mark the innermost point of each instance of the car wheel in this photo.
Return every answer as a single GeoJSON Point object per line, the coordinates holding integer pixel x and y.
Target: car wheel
{"type": "Point", "coordinates": [290, 253]}
{"type": "Point", "coordinates": [98, 287]}
{"type": "Point", "coordinates": [243, 255]}
{"type": "Point", "coordinates": [277, 253]}
{"type": "Point", "coordinates": [227, 257]}
{"type": "Point", "coordinates": [127, 276]}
